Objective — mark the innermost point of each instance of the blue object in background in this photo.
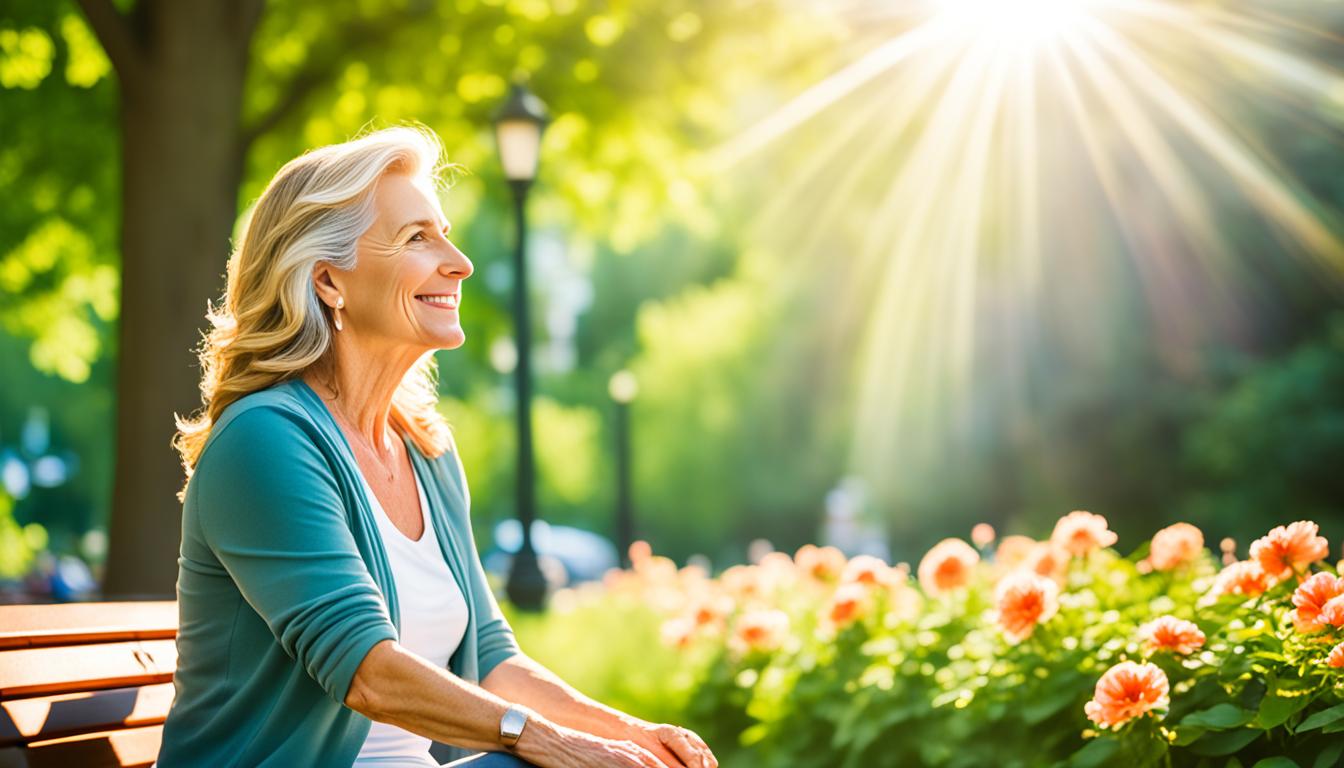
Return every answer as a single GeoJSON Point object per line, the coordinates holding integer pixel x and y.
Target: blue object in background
{"type": "Point", "coordinates": [567, 554]}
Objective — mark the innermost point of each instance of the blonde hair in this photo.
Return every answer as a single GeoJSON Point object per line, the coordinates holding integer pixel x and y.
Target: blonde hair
{"type": "Point", "coordinates": [271, 326]}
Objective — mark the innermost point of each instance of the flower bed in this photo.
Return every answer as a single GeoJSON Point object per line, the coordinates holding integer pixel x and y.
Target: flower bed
{"type": "Point", "coordinates": [1009, 652]}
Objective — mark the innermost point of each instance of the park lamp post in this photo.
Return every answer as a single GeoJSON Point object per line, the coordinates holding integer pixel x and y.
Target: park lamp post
{"type": "Point", "coordinates": [623, 388]}
{"type": "Point", "coordinates": [518, 127]}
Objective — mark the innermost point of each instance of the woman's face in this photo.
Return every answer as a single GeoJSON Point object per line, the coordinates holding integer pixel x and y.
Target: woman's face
{"type": "Point", "coordinates": [407, 281]}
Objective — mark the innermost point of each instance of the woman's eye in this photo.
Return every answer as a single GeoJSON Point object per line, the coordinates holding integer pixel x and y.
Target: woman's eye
{"type": "Point", "coordinates": [420, 235]}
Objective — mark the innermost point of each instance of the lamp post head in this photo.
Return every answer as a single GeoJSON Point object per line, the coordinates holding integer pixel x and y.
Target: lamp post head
{"type": "Point", "coordinates": [623, 387]}
{"type": "Point", "coordinates": [518, 126]}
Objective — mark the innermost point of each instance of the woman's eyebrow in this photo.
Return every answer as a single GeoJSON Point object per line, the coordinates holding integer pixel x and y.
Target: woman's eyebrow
{"type": "Point", "coordinates": [423, 223]}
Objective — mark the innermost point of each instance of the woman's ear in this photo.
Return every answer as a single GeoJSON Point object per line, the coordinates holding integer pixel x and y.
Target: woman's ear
{"type": "Point", "coordinates": [326, 285]}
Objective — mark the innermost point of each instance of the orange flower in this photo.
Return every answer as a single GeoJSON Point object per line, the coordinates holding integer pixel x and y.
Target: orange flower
{"type": "Point", "coordinates": [746, 583]}
{"type": "Point", "coordinates": [678, 632]}
{"type": "Point", "coordinates": [1243, 578]}
{"type": "Point", "coordinates": [1048, 560]}
{"type": "Point", "coordinates": [639, 551]}
{"type": "Point", "coordinates": [820, 563]}
{"type": "Point", "coordinates": [1024, 600]}
{"type": "Point", "coordinates": [1013, 551]}
{"type": "Point", "coordinates": [1290, 548]}
{"type": "Point", "coordinates": [848, 603]}
{"type": "Point", "coordinates": [1127, 690]}
{"type": "Point", "coordinates": [1168, 633]}
{"type": "Point", "coordinates": [1176, 545]}
{"type": "Point", "coordinates": [947, 566]}
{"type": "Point", "coordinates": [867, 570]}
{"type": "Point", "coordinates": [1336, 657]}
{"type": "Point", "coordinates": [1310, 599]}
{"type": "Point", "coordinates": [1332, 613]}
{"type": "Point", "coordinates": [762, 630]}
{"type": "Point", "coordinates": [1079, 533]}
{"type": "Point", "coordinates": [710, 610]}
{"type": "Point", "coordinates": [982, 535]}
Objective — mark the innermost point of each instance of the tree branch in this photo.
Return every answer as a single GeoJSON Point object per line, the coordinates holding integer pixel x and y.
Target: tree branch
{"type": "Point", "coordinates": [354, 37]}
{"type": "Point", "coordinates": [114, 34]}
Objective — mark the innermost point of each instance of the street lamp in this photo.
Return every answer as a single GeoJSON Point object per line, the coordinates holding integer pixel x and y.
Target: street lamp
{"type": "Point", "coordinates": [518, 127]}
{"type": "Point", "coordinates": [623, 388]}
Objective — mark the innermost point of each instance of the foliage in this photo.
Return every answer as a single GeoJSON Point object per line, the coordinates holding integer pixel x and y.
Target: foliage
{"type": "Point", "coordinates": [923, 672]}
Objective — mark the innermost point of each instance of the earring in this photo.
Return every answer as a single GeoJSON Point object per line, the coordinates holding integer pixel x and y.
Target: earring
{"type": "Point", "coordinates": [335, 313]}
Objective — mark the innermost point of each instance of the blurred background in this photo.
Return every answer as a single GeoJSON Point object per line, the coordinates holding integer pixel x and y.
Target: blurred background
{"type": "Point", "coordinates": [875, 270]}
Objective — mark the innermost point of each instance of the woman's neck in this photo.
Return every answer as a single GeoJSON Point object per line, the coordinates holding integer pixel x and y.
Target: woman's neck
{"type": "Point", "coordinates": [359, 386]}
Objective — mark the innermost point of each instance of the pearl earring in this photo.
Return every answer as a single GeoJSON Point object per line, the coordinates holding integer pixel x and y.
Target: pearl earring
{"type": "Point", "coordinates": [335, 314]}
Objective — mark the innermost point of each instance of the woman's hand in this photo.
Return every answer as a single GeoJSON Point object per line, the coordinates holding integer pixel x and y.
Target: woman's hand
{"type": "Point", "coordinates": [555, 746]}
{"type": "Point", "coordinates": [673, 745]}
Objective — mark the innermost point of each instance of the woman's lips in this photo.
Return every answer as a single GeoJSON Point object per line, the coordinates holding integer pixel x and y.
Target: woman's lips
{"type": "Point", "coordinates": [439, 300]}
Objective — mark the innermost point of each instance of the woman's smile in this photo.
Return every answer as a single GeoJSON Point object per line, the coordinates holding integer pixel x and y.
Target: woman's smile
{"type": "Point", "coordinates": [439, 300]}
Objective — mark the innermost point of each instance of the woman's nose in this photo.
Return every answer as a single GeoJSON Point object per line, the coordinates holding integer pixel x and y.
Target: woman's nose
{"type": "Point", "coordinates": [456, 264]}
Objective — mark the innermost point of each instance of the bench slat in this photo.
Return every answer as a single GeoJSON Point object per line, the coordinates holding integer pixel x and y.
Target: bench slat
{"type": "Point", "coordinates": [108, 749]}
{"type": "Point", "coordinates": [36, 671]}
{"type": "Point", "coordinates": [28, 626]}
{"type": "Point", "coordinates": [46, 717]}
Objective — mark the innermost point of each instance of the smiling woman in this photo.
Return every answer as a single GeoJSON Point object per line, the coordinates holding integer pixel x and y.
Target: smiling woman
{"type": "Point", "coordinates": [333, 608]}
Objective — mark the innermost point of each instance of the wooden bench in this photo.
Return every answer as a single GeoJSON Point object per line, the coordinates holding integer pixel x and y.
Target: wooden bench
{"type": "Point", "coordinates": [85, 684]}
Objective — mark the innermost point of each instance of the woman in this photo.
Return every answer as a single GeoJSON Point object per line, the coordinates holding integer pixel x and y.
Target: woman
{"type": "Point", "coordinates": [333, 609]}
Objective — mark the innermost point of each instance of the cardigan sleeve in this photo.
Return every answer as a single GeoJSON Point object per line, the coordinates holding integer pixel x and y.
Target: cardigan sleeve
{"type": "Point", "coordinates": [495, 641]}
{"type": "Point", "coordinates": [272, 513]}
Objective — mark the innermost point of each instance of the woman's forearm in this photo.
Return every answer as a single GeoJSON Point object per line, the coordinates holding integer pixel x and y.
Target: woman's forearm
{"type": "Point", "coordinates": [521, 679]}
{"type": "Point", "coordinates": [393, 685]}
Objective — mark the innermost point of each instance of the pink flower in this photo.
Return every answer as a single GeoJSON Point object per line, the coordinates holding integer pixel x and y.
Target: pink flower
{"type": "Point", "coordinates": [1127, 690]}
{"type": "Point", "coordinates": [761, 630]}
{"type": "Point", "coordinates": [1080, 533]}
{"type": "Point", "coordinates": [1024, 600]}
{"type": "Point", "coordinates": [948, 566]}
{"type": "Point", "coordinates": [1013, 551]}
{"type": "Point", "coordinates": [1336, 657]}
{"type": "Point", "coordinates": [678, 632]}
{"type": "Point", "coordinates": [867, 570]}
{"type": "Point", "coordinates": [982, 535]}
{"type": "Point", "coordinates": [848, 603]}
{"type": "Point", "coordinates": [1048, 560]}
{"type": "Point", "coordinates": [820, 563]}
{"type": "Point", "coordinates": [1243, 578]}
{"type": "Point", "coordinates": [1176, 545]}
{"type": "Point", "coordinates": [1168, 633]}
{"type": "Point", "coordinates": [1287, 549]}
{"type": "Point", "coordinates": [1310, 599]}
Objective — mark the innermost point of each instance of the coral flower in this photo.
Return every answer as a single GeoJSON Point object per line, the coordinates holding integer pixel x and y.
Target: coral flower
{"type": "Point", "coordinates": [762, 630]}
{"type": "Point", "coordinates": [982, 535]}
{"type": "Point", "coordinates": [678, 632]}
{"type": "Point", "coordinates": [1168, 633]}
{"type": "Point", "coordinates": [1013, 551]}
{"type": "Point", "coordinates": [1243, 577]}
{"type": "Point", "coordinates": [947, 566]}
{"type": "Point", "coordinates": [848, 603]}
{"type": "Point", "coordinates": [1289, 548]}
{"type": "Point", "coordinates": [1127, 690]}
{"type": "Point", "coordinates": [1332, 613]}
{"type": "Point", "coordinates": [1080, 533]}
{"type": "Point", "coordinates": [1048, 560]}
{"type": "Point", "coordinates": [1336, 657]}
{"type": "Point", "coordinates": [1175, 546]}
{"type": "Point", "coordinates": [867, 570]}
{"type": "Point", "coordinates": [1310, 599]}
{"type": "Point", "coordinates": [1024, 600]}
{"type": "Point", "coordinates": [710, 611]}
{"type": "Point", "coordinates": [821, 563]}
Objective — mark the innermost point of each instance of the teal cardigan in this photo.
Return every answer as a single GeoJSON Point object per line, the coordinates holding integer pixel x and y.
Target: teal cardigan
{"type": "Point", "coordinates": [281, 585]}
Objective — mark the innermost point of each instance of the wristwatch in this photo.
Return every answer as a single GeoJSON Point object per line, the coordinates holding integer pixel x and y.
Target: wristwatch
{"type": "Point", "coordinates": [511, 726]}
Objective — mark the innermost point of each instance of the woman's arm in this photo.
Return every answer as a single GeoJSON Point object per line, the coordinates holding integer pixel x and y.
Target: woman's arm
{"type": "Point", "coordinates": [393, 685]}
{"type": "Point", "coordinates": [522, 679]}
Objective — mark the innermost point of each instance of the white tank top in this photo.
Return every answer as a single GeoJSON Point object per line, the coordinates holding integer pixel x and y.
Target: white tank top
{"type": "Point", "coordinates": [433, 622]}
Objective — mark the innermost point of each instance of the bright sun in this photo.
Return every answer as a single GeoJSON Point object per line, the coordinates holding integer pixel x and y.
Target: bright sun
{"type": "Point", "coordinates": [1019, 25]}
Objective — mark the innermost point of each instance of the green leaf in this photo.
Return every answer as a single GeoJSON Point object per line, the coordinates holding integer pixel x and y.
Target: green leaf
{"type": "Point", "coordinates": [1219, 717]}
{"type": "Point", "coordinates": [1322, 718]}
{"type": "Point", "coordinates": [1226, 742]}
{"type": "Point", "coordinates": [1276, 762]}
{"type": "Point", "coordinates": [1275, 710]}
{"type": "Point", "coordinates": [1097, 752]}
{"type": "Point", "coordinates": [1330, 755]}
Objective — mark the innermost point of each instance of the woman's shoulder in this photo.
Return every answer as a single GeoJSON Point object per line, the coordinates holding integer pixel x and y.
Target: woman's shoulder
{"type": "Point", "coordinates": [266, 415]}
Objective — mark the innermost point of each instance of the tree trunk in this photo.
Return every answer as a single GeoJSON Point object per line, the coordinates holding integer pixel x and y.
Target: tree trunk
{"type": "Point", "coordinates": [182, 165]}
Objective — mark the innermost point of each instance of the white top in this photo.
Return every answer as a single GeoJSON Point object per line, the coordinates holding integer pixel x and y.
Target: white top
{"type": "Point", "coordinates": [433, 622]}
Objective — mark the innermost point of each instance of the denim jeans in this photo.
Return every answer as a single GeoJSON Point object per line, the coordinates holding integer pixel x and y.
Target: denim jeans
{"type": "Point", "coordinates": [489, 760]}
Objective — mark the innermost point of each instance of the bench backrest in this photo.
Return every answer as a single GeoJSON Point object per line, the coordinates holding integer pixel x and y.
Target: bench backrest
{"type": "Point", "coordinates": [85, 684]}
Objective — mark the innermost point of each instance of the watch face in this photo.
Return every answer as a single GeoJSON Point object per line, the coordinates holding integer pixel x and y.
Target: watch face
{"type": "Point", "coordinates": [511, 726]}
